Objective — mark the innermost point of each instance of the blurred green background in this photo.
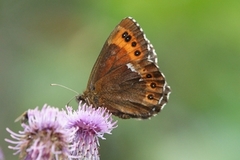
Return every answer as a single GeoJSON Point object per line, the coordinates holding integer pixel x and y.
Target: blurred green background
{"type": "Point", "coordinates": [198, 46]}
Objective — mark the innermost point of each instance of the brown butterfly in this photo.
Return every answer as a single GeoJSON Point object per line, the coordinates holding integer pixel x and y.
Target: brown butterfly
{"type": "Point", "coordinates": [126, 78]}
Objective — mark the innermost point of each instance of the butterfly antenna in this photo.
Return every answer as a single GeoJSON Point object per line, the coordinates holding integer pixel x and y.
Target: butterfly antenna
{"type": "Point", "coordinates": [59, 85]}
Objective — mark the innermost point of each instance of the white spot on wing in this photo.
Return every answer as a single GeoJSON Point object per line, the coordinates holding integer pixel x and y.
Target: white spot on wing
{"type": "Point", "coordinates": [131, 67]}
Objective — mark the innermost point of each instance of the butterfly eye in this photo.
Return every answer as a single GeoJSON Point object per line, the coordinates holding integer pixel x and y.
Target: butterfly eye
{"type": "Point", "coordinates": [93, 87]}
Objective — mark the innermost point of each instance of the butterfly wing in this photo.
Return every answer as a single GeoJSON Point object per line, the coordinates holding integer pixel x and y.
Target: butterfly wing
{"type": "Point", "coordinates": [126, 78]}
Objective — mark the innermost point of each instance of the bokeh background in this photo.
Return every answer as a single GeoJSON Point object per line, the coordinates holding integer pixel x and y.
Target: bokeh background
{"type": "Point", "coordinates": [198, 46]}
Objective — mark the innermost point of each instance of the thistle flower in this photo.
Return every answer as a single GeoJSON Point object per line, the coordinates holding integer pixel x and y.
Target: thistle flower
{"type": "Point", "coordinates": [50, 134]}
{"type": "Point", "coordinates": [44, 136]}
{"type": "Point", "coordinates": [90, 124]}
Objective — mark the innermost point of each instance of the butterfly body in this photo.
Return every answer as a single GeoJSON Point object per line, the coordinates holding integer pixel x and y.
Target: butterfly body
{"type": "Point", "coordinates": [126, 78]}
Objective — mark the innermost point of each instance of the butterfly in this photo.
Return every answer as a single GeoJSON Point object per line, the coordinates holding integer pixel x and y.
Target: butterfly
{"type": "Point", "coordinates": [126, 78]}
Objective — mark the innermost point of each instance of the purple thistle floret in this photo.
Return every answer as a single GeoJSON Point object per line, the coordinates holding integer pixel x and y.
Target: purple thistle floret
{"type": "Point", "coordinates": [90, 124]}
{"type": "Point", "coordinates": [1, 154]}
{"type": "Point", "coordinates": [44, 136]}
